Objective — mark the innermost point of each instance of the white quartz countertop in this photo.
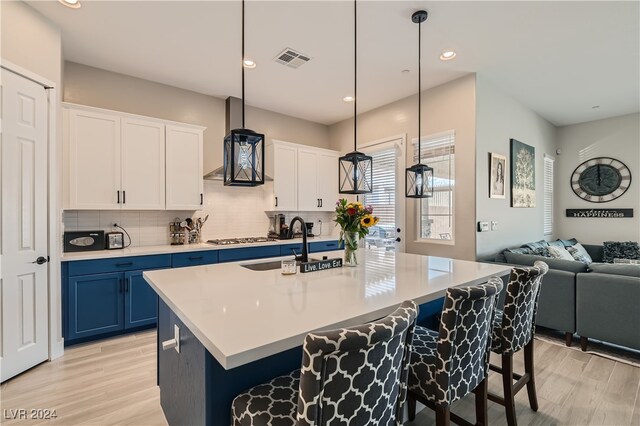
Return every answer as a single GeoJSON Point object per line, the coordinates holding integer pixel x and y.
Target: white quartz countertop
{"type": "Point", "coordinates": [241, 315]}
{"type": "Point", "coordinates": [169, 249]}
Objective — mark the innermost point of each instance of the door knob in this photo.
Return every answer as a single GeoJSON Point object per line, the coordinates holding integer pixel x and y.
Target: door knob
{"type": "Point", "coordinates": [398, 230]}
{"type": "Point", "coordinates": [398, 239]}
{"type": "Point", "coordinates": [41, 260]}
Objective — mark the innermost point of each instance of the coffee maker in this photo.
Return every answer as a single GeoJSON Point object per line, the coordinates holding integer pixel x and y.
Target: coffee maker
{"type": "Point", "coordinates": [309, 226]}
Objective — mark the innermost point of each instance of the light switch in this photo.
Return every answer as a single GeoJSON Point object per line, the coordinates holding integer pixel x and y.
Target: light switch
{"type": "Point", "coordinates": [494, 225]}
{"type": "Point", "coordinates": [483, 226]}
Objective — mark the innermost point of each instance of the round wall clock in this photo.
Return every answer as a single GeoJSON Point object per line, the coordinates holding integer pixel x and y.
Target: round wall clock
{"type": "Point", "coordinates": [601, 179]}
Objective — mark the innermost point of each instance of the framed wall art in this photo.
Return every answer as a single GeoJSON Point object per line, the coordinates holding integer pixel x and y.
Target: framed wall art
{"type": "Point", "coordinates": [497, 173]}
{"type": "Point", "coordinates": [523, 175]}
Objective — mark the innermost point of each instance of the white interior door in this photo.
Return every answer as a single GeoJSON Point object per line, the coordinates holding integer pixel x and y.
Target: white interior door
{"type": "Point", "coordinates": [387, 198]}
{"type": "Point", "coordinates": [23, 273]}
{"type": "Point", "coordinates": [143, 184]}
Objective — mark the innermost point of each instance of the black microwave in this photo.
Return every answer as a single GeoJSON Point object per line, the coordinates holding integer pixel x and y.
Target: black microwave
{"type": "Point", "coordinates": [83, 241]}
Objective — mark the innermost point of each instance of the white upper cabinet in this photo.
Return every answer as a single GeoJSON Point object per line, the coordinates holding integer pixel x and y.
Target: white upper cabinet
{"type": "Point", "coordinates": [123, 161]}
{"type": "Point", "coordinates": [304, 178]}
{"type": "Point", "coordinates": [308, 199]}
{"type": "Point", "coordinates": [143, 167]}
{"type": "Point", "coordinates": [327, 183]}
{"type": "Point", "coordinates": [184, 168]}
{"type": "Point", "coordinates": [94, 160]}
{"type": "Point", "coordinates": [282, 166]}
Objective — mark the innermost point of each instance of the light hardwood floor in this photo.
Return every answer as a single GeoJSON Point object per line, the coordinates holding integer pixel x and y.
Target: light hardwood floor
{"type": "Point", "coordinates": [114, 382]}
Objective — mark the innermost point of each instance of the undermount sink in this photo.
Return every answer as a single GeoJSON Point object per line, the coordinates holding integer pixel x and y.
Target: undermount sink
{"type": "Point", "coordinates": [268, 266]}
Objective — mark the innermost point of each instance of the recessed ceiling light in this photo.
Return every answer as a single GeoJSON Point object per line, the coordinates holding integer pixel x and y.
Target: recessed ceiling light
{"type": "Point", "coordinates": [405, 71]}
{"type": "Point", "coordinates": [348, 99]}
{"type": "Point", "coordinates": [448, 55]}
{"type": "Point", "coordinates": [74, 4]}
{"type": "Point", "coordinates": [248, 63]}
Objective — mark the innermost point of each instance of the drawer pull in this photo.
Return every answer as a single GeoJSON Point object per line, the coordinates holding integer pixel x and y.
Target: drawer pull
{"type": "Point", "coordinates": [196, 258]}
{"type": "Point", "coordinates": [120, 265]}
{"type": "Point", "coordinates": [331, 245]}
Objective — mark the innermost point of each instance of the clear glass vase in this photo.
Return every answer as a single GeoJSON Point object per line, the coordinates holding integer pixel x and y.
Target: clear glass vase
{"type": "Point", "coordinates": [351, 242]}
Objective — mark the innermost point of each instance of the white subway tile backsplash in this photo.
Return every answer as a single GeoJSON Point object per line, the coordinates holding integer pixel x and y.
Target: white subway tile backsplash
{"type": "Point", "coordinates": [233, 212]}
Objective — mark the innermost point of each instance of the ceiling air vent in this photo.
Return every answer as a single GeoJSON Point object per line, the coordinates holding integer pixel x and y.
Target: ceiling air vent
{"type": "Point", "coordinates": [291, 58]}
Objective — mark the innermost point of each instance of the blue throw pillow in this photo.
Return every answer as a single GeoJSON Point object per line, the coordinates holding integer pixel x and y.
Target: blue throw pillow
{"type": "Point", "coordinates": [620, 250]}
{"type": "Point", "coordinates": [536, 245]}
{"type": "Point", "coordinates": [568, 243]}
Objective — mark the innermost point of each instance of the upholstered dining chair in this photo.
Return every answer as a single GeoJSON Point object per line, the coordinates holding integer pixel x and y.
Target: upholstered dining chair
{"type": "Point", "coordinates": [513, 330]}
{"type": "Point", "coordinates": [354, 376]}
{"type": "Point", "coordinates": [453, 362]}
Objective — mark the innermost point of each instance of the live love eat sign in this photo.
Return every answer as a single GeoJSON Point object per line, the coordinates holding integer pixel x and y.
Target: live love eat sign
{"type": "Point", "coordinates": [601, 213]}
{"type": "Point", "coordinates": [320, 265]}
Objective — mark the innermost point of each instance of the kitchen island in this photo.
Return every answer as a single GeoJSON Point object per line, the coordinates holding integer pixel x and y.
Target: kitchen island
{"type": "Point", "coordinates": [238, 327]}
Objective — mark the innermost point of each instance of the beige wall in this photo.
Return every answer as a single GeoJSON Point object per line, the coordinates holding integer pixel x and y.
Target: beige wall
{"type": "Point", "coordinates": [450, 106]}
{"type": "Point", "coordinates": [500, 118]}
{"type": "Point", "coordinates": [104, 89]}
{"type": "Point", "coordinates": [619, 138]}
{"type": "Point", "coordinates": [30, 40]}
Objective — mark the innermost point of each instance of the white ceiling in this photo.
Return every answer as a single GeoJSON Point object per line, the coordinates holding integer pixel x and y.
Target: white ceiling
{"type": "Point", "coordinates": [559, 58]}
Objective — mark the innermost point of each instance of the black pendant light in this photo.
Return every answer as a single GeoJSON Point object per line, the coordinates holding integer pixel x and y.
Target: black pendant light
{"type": "Point", "coordinates": [419, 177]}
{"type": "Point", "coordinates": [355, 169]}
{"type": "Point", "coordinates": [243, 148]}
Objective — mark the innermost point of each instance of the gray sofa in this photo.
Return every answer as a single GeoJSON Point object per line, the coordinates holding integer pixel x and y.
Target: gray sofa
{"type": "Point", "coordinates": [600, 301]}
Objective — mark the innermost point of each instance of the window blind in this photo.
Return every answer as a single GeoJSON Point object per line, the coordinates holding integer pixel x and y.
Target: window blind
{"type": "Point", "coordinates": [383, 197]}
{"type": "Point", "coordinates": [436, 218]}
{"type": "Point", "coordinates": [548, 195]}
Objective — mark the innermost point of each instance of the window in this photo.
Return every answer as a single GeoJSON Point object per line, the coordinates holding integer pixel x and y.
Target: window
{"type": "Point", "coordinates": [436, 213]}
{"type": "Point", "coordinates": [548, 195]}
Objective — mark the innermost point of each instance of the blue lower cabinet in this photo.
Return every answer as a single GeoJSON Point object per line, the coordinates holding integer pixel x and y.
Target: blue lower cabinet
{"type": "Point", "coordinates": [288, 249]}
{"type": "Point", "coordinates": [140, 301]}
{"type": "Point", "coordinates": [247, 253]}
{"type": "Point", "coordinates": [319, 246]}
{"type": "Point", "coordinates": [180, 260]}
{"type": "Point", "coordinates": [95, 305]}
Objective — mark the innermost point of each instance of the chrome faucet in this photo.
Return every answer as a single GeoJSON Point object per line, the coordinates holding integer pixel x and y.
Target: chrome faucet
{"type": "Point", "coordinates": [304, 257]}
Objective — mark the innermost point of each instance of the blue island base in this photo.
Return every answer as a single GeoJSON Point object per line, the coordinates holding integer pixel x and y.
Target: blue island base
{"type": "Point", "coordinates": [196, 390]}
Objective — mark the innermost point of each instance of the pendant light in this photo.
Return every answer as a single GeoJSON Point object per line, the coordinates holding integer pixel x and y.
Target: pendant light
{"type": "Point", "coordinates": [243, 148]}
{"type": "Point", "coordinates": [355, 169]}
{"type": "Point", "coordinates": [419, 177]}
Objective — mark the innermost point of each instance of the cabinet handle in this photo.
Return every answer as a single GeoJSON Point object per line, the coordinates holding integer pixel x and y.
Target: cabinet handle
{"type": "Point", "coordinates": [126, 286]}
{"type": "Point", "coordinates": [169, 344]}
{"type": "Point", "coordinates": [195, 258]}
{"type": "Point", "coordinates": [118, 196]}
{"type": "Point", "coordinates": [320, 202]}
{"type": "Point", "coordinates": [124, 197]}
{"type": "Point", "coordinates": [276, 201]}
{"type": "Point", "coordinates": [201, 198]}
{"type": "Point", "coordinates": [120, 265]}
{"type": "Point", "coordinates": [317, 202]}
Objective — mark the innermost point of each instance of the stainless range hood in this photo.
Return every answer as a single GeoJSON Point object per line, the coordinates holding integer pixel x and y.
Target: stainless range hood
{"type": "Point", "coordinates": [233, 120]}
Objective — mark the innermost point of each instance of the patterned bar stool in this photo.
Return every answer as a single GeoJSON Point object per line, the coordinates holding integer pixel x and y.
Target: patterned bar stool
{"type": "Point", "coordinates": [513, 329]}
{"type": "Point", "coordinates": [451, 363]}
{"type": "Point", "coordinates": [354, 376]}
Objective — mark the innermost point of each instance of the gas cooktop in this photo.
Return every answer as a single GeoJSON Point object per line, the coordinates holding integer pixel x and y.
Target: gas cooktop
{"type": "Point", "coordinates": [246, 240]}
